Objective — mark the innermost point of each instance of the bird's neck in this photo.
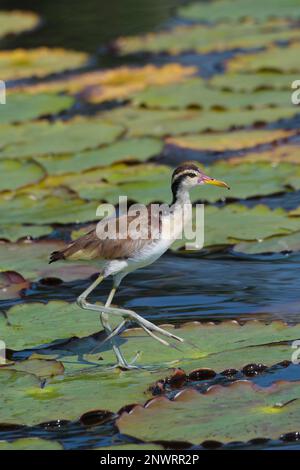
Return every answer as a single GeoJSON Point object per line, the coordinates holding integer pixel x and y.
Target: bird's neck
{"type": "Point", "coordinates": [181, 196]}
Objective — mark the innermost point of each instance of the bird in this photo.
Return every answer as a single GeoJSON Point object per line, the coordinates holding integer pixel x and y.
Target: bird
{"type": "Point", "coordinates": [120, 255]}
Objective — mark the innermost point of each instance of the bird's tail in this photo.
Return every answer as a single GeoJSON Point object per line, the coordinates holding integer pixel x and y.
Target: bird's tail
{"type": "Point", "coordinates": [56, 256]}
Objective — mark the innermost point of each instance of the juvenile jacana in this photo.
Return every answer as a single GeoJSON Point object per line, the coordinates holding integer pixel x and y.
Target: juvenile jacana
{"type": "Point", "coordinates": [120, 256]}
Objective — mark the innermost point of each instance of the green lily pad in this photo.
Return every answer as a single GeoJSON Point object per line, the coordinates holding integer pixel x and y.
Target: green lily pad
{"type": "Point", "coordinates": [14, 233]}
{"type": "Point", "coordinates": [39, 62]}
{"type": "Point", "coordinates": [283, 154]}
{"type": "Point", "coordinates": [285, 243]}
{"type": "Point", "coordinates": [248, 82]}
{"type": "Point", "coordinates": [142, 122]}
{"type": "Point", "coordinates": [224, 141]}
{"type": "Point", "coordinates": [127, 149]}
{"type": "Point", "coordinates": [30, 259]}
{"type": "Point", "coordinates": [40, 138]}
{"type": "Point", "coordinates": [247, 180]}
{"type": "Point", "coordinates": [30, 443]}
{"type": "Point", "coordinates": [275, 59]}
{"type": "Point", "coordinates": [86, 386]}
{"type": "Point", "coordinates": [15, 22]}
{"type": "Point", "coordinates": [241, 223]}
{"type": "Point", "coordinates": [203, 38]}
{"type": "Point", "coordinates": [240, 410]}
{"type": "Point", "coordinates": [129, 447]}
{"type": "Point", "coordinates": [15, 174]}
{"type": "Point", "coordinates": [234, 10]}
{"type": "Point", "coordinates": [23, 107]}
{"type": "Point", "coordinates": [42, 368]}
{"type": "Point", "coordinates": [195, 92]}
{"type": "Point", "coordinates": [28, 209]}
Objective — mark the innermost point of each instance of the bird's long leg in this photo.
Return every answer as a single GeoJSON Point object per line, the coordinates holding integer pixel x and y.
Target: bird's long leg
{"type": "Point", "coordinates": [131, 315]}
{"type": "Point", "coordinates": [81, 301]}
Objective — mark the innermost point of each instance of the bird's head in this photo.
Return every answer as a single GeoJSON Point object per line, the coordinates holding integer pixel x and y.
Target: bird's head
{"type": "Point", "coordinates": [188, 175]}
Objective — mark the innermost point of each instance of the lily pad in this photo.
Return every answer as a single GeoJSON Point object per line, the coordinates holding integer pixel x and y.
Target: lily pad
{"type": "Point", "coordinates": [28, 209]}
{"type": "Point", "coordinates": [86, 386]}
{"type": "Point", "coordinates": [241, 223]}
{"type": "Point", "coordinates": [234, 10]}
{"type": "Point", "coordinates": [42, 368]}
{"type": "Point", "coordinates": [248, 82]}
{"type": "Point", "coordinates": [241, 410]}
{"type": "Point", "coordinates": [30, 443]}
{"type": "Point", "coordinates": [15, 22]}
{"type": "Point", "coordinates": [15, 174]}
{"type": "Point", "coordinates": [204, 38]}
{"type": "Point", "coordinates": [11, 283]}
{"type": "Point", "coordinates": [282, 154]}
{"type": "Point", "coordinates": [127, 149]}
{"type": "Point", "coordinates": [142, 122]}
{"type": "Point", "coordinates": [113, 84]}
{"type": "Point", "coordinates": [40, 138]}
{"type": "Point", "coordinates": [39, 62]}
{"type": "Point", "coordinates": [275, 59]}
{"type": "Point", "coordinates": [14, 232]}
{"type": "Point", "coordinates": [283, 244]}
{"type": "Point", "coordinates": [30, 259]}
{"type": "Point", "coordinates": [23, 107]}
{"type": "Point", "coordinates": [225, 141]}
{"type": "Point", "coordinates": [196, 93]}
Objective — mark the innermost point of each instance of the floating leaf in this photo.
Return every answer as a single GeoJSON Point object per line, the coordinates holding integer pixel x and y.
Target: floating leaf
{"type": "Point", "coordinates": [225, 141]}
{"type": "Point", "coordinates": [285, 244]}
{"type": "Point", "coordinates": [22, 107]}
{"type": "Point", "coordinates": [42, 368]}
{"type": "Point", "coordinates": [31, 260]}
{"type": "Point", "coordinates": [248, 82]}
{"type": "Point", "coordinates": [130, 447]}
{"type": "Point", "coordinates": [234, 10]}
{"type": "Point", "coordinates": [14, 232]}
{"type": "Point", "coordinates": [15, 174]}
{"type": "Point", "coordinates": [247, 180]}
{"type": "Point", "coordinates": [195, 92]}
{"type": "Point", "coordinates": [241, 223]}
{"type": "Point", "coordinates": [15, 22]}
{"type": "Point", "coordinates": [39, 62]}
{"type": "Point", "coordinates": [282, 154]}
{"type": "Point", "coordinates": [30, 443]}
{"type": "Point", "coordinates": [127, 149]}
{"type": "Point", "coordinates": [29, 209]}
{"type": "Point", "coordinates": [40, 138]}
{"type": "Point", "coordinates": [105, 85]}
{"type": "Point", "coordinates": [203, 38]}
{"type": "Point", "coordinates": [276, 59]}
{"type": "Point", "coordinates": [142, 122]}
{"type": "Point", "coordinates": [11, 283]}
{"type": "Point", "coordinates": [89, 387]}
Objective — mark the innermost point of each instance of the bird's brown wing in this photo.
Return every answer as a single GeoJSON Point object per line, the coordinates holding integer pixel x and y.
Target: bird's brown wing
{"type": "Point", "coordinates": [98, 243]}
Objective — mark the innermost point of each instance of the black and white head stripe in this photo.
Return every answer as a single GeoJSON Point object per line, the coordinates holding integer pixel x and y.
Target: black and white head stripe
{"type": "Point", "coordinates": [187, 169]}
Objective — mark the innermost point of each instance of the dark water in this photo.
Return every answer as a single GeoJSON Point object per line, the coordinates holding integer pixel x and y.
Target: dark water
{"type": "Point", "coordinates": [176, 288]}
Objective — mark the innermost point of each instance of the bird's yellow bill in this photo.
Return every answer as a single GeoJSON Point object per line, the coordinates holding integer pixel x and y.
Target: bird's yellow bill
{"type": "Point", "coordinates": [215, 182]}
